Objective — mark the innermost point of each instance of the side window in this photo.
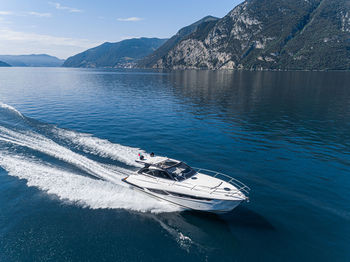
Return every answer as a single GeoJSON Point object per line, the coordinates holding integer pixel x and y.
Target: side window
{"type": "Point", "coordinates": [160, 174]}
{"type": "Point", "coordinates": [143, 170]}
{"type": "Point", "coordinates": [149, 172]}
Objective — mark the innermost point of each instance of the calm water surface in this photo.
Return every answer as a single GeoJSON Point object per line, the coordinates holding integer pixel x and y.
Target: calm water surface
{"type": "Point", "coordinates": [285, 134]}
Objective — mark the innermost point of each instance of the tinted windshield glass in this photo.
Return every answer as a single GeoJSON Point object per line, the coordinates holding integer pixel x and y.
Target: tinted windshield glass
{"type": "Point", "coordinates": [155, 173]}
{"type": "Point", "coordinates": [181, 171]}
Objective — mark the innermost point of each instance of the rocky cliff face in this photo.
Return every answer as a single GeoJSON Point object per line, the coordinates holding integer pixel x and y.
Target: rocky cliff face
{"type": "Point", "coordinates": [152, 59]}
{"type": "Point", "coordinates": [269, 34]}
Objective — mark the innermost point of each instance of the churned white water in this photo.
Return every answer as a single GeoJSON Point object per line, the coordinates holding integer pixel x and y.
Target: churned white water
{"type": "Point", "coordinates": [101, 147]}
{"type": "Point", "coordinates": [77, 189]}
{"type": "Point", "coordinates": [106, 192]}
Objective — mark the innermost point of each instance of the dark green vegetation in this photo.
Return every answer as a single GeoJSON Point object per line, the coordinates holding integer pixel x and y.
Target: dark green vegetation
{"type": "Point", "coordinates": [162, 51]}
{"type": "Point", "coordinates": [3, 64]}
{"type": "Point", "coordinates": [267, 34]}
{"type": "Point", "coordinates": [255, 35]}
{"type": "Point", "coordinates": [120, 54]}
{"type": "Point", "coordinates": [32, 60]}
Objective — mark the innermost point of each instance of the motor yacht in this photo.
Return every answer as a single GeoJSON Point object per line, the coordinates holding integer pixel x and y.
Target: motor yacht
{"type": "Point", "coordinates": [190, 188]}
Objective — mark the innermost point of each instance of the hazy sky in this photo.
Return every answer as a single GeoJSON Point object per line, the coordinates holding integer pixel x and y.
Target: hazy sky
{"type": "Point", "coordinates": [66, 27]}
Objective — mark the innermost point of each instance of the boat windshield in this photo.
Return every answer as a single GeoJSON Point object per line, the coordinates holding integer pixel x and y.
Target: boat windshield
{"type": "Point", "coordinates": [181, 171]}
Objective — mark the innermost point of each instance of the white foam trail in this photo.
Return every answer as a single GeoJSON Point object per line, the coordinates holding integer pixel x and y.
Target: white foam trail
{"type": "Point", "coordinates": [10, 108]}
{"type": "Point", "coordinates": [94, 145]}
{"type": "Point", "coordinates": [84, 191]}
{"type": "Point", "coordinates": [111, 193]}
{"type": "Point", "coordinates": [102, 147]}
{"type": "Point", "coordinates": [42, 144]}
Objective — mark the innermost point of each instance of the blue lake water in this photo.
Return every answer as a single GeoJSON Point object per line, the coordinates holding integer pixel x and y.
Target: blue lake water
{"type": "Point", "coordinates": [285, 134]}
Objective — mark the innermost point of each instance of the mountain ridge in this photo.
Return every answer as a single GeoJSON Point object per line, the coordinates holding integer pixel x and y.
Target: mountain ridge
{"type": "Point", "coordinates": [119, 54]}
{"type": "Point", "coordinates": [255, 35]}
{"type": "Point", "coordinates": [4, 64]}
{"type": "Point", "coordinates": [35, 60]}
{"type": "Point", "coordinates": [151, 59]}
{"type": "Point", "coordinates": [269, 35]}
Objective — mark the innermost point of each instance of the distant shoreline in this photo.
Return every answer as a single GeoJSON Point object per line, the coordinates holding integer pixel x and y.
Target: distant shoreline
{"type": "Point", "coordinates": [187, 69]}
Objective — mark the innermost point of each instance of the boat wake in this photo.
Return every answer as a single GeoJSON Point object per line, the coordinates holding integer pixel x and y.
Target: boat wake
{"type": "Point", "coordinates": [101, 147]}
{"type": "Point", "coordinates": [58, 161]}
{"type": "Point", "coordinates": [83, 170]}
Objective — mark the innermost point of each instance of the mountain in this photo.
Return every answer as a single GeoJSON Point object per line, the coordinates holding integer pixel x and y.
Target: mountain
{"type": "Point", "coordinates": [32, 60]}
{"type": "Point", "coordinates": [151, 60]}
{"type": "Point", "coordinates": [269, 34]}
{"type": "Point", "coordinates": [120, 54]}
{"type": "Point", "coordinates": [3, 64]}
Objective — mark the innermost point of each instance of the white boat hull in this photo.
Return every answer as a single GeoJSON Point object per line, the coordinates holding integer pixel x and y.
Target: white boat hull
{"type": "Point", "coordinates": [212, 205]}
{"type": "Point", "coordinates": [190, 188]}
